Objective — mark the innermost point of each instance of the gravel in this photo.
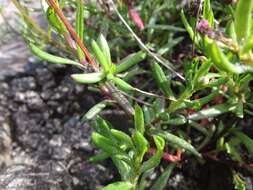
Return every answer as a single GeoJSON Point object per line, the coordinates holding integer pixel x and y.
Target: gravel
{"type": "Point", "coordinates": [42, 143]}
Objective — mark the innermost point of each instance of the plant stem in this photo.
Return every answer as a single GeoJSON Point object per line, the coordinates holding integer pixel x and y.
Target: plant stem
{"type": "Point", "coordinates": [72, 32]}
{"type": "Point", "coordinates": [120, 98]}
{"type": "Point", "coordinates": [108, 87]}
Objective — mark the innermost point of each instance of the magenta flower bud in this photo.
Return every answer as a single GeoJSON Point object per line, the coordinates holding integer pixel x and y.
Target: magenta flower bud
{"type": "Point", "coordinates": [134, 15]}
{"type": "Point", "coordinates": [203, 27]}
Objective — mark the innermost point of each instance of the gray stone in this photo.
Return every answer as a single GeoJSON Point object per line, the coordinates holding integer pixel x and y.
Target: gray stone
{"type": "Point", "coordinates": [31, 98]}
{"type": "Point", "coordinates": [44, 118]}
{"type": "Point", "coordinates": [23, 84]}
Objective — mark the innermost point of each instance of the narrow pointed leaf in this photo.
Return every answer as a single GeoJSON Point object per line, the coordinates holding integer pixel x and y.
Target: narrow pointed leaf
{"type": "Point", "coordinates": [122, 84]}
{"type": "Point", "coordinates": [243, 19]}
{"type": "Point", "coordinates": [99, 157]}
{"type": "Point", "coordinates": [161, 79]}
{"type": "Point", "coordinates": [119, 186]}
{"type": "Point", "coordinates": [239, 111]}
{"type": "Point", "coordinates": [52, 58]}
{"type": "Point", "coordinates": [208, 12]}
{"type": "Point", "coordinates": [180, 120]}
{"type": "Point", "coordinates": [100, 56]}
{"type": "Point", "coordinates": [178, 141]}
{"type": "Point", "coordinates": [139, 119]}
{"type": "Point", "coordinates": [130, 61]}
{"type": "Point", "coordinates": [122, 138]}
{"type": "Point", "coordinates": [95, 110]}
{"type": "Point", "coordinates": [220, 60]}
{"type": "Point", "coordinates": [105, 47]}
{"type": "Point", "coordinates": [123, 168]}
{"type": "Point", "coordinates": [248, 142]}
{"type": "Point", "coordinates": [231, 31]}
{"type": "Point", "coordinates": [189, 29]}
{"type": "Point", "coordinates": [212, 111]}
{"type": "Point", "coordinates": [54, 21]}
{"type": "Point", "coordinates": [233, 152]}
{"type": "Point", "coordinates": [88, 78]}
{"type": "Point", "coordinates": [156, 158]}
{"type": "Point", "coordinates": [247, 46]}
{"type": "Point", "coordinates": [104, 128]}
{"type": "Point", "coordinates": [141, 145]}
{"type": "Point", "coordinates": [203, 70]}
{"type": "Point", "coordinates": [104, 143]}
{"type": "Point", "coordinates": [162, 181]}
{"type": "Point", "coordinates": [80, 26]}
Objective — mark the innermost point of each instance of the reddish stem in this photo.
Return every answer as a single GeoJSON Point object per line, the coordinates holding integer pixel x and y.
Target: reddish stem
{"type": "Point", "coordinates": [72, 32]}
{"type": "Point", "coordinates": [167, 156]}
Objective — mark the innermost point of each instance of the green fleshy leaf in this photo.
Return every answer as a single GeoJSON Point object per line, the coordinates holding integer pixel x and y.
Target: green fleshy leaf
{"type": "Point", "coordinates": [88, 78]}
{"type": "Point", "coordinates": [248, 142]}
{"type": "Point", "coordinates": [52, 58]}
{"type": "Point", "coordinates": [156, 158]}
{"type": "Point", "coordinates": [130, 61]}
{"type": "Point", "coordinates": [119, 186]}
{"type": "Point", "coordinates": [243, 19]}
{"type": "Point", "coordinates": [80, 26]}
{"type": "Point", "coordinates": [95, 110]}
{"type": "Point", "coordinates": [212, 111]}
{"type": "Point", "coordinates": [175, 140]}
{"type": "Point", "coordinates": [139, 119]}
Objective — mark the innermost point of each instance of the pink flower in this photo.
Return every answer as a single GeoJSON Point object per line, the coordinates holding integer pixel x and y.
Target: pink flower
{"type": "Point", "coordinates": [134, 15]}
{"type": "Point", "coordinates": [204, 28]}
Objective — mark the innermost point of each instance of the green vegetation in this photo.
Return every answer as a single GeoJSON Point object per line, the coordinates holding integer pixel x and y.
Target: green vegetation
{"type": "Point", "coordinates": [168, 90]}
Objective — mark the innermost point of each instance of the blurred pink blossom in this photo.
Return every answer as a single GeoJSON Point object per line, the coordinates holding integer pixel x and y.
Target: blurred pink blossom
{"type": "Point", "coordinates": [204, 28]}
{"type": "Point", "coordinates": [134, 15]}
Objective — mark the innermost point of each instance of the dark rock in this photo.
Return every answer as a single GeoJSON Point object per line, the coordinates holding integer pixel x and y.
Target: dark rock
{"type": "Point", "coordinates": [5, 141]}
{"type": "Point", "coordinates": [23, 84]}
{"type": "Point", "coordinates": [28, 177]}
{"type": "Point", "coordinates": [4, 88]}
{"type": "Point", "coordinates": [181, 182]}
{"type": "Point", "coordinates": [44, 106]}
{"type": "Point", "coordinates": [30, 98]}
{"type": "Point", "coordinates": [87, 176]}
{"type": "Point", "coordinates": [44, 77]}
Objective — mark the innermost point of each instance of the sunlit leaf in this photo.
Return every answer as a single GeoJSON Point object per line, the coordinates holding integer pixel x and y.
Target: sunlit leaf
{"type": "Point", "coordinates": [80, 25]}
{"type": "Point", "coordinates": [88, 78]}
{"type": "Point", "coordinates": [51, 58]}
{"type": "Point", "coordinates": [180, 142]}
{"type": "Point", "coordinates": [212, 111]}
{"type": "Point", "coordinates": [95, 110]}
{"type": "Point", "coordinates": [139, 119]}
{"type": "Point", "coordinates": [243, 19]}
{"type": "Point", "coordinates": [130, 61]}
{"type": "Point", "coordinates": [119, 186]}
{"type": "Point", "coordinates": [156, 158]}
